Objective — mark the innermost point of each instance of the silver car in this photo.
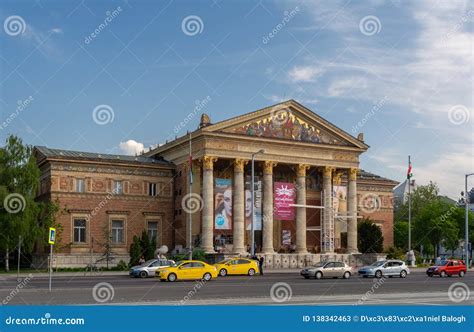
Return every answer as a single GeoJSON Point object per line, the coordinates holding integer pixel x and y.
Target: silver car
{"type": "Point", "coordinates": [383, 268]}
{"type": "Point", "coordinates": [149, 268]}
{"type": "Point", "coordinates": [327, 270]}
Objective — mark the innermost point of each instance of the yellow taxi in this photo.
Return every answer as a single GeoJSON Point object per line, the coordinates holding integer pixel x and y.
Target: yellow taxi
{"type": "Point", "coordinates": [235, 266]}
{"type": "Point", "coordinates": [187, 270]}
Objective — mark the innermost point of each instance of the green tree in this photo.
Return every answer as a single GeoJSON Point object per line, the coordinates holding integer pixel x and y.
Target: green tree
{"type": "Point", "coordinates": [400, 234]}
{"type": "Point", "coordinates": [21, 215]}
{"type": "Point", "coordinates": [434, 224]}
{"type": "Point", "coordinates": [135, 251]}
{"type": "Point", "coordinates": [420, 197]}
{"type": "Point", "coordinates": [370, 238]}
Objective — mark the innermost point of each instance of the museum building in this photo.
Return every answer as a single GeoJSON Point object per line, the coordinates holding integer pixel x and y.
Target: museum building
{"type": "Point", "coordinates": [309, 191]}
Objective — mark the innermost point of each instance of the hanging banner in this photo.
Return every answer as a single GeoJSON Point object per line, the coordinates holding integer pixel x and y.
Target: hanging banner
{"type": "Point", "coordinates": [223, 204]}
{"type": "Point", "coordinates": [257, 202]}
{"type": "Point", "coordinates": [285, 194]}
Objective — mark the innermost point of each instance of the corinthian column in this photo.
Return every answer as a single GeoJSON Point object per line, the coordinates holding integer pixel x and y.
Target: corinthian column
{"type": "Point", "coordinates": [328, 215]}
{"type": "Point", "coordinates": [268, 207]}
{"type": "Point", "coordinates": [352, 212]}
{"type": "Point", "coordinates": [301, 211]}
{"type": "Point", "coordinates": [238, 207]}
{"type": "Point", "coordinates": [208, 206]}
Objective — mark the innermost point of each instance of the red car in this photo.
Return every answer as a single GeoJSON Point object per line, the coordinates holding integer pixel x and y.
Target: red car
{"type": "Point", "coordinates": [448, 268]}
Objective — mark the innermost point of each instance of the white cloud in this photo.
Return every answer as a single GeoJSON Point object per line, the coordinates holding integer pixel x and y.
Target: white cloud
{"type": "Point", "coordinates": [304, 73]}
{"type": "Point", "coordinates": [131, 147]}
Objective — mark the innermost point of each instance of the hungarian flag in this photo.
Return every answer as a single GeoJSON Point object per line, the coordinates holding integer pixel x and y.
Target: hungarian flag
{"type": "Point", "coordinates": [409, 172]}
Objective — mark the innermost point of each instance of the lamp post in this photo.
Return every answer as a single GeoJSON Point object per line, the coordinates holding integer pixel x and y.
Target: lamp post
{"type": "Point", "coordinates": [253, 201]}
{"type": "Point", "coordinates": [466, 226]}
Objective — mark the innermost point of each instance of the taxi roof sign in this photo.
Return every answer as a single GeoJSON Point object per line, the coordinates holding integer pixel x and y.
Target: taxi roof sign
{"type": "Point", "coordinates": [52, 235]}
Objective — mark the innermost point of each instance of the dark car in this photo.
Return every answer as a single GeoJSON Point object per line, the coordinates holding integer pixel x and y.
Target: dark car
{"type": "Point", "coordinates": [448, 268]}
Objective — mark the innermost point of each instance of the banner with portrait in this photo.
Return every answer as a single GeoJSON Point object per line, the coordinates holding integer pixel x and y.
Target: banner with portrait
{"type": "Point", "coordinates": [284, 195]}
{"type": "Point", "coordinates": [257, 203]}
{"type": "Point", "coordinates": [223, 204]}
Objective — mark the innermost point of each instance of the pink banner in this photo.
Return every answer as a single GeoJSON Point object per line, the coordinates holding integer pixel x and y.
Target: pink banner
{"type": "Point", "coordinates": [285, 195]}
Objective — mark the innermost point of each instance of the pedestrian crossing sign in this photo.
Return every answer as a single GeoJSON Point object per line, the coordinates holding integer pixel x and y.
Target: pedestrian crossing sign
{"type": "Point", "coordinates": [52, 235]}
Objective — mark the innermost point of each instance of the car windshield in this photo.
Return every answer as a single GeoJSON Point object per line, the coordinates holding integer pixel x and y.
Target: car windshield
{"type": "Point", "coordinates": [442, 263]}
{"type": "Point", "coordinates": [379, 263]}
{"type": "Point", "coordinates": [148, 262]}
{"type": "Point", "coordinates": [177, 264]}
{"type": "Point", "coordinates": [319, 264]}
{"type": "Point", "coordinates": [224, 261]}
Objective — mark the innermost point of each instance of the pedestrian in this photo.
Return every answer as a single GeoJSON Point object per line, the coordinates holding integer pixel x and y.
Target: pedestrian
{"type": "Point", "coordinates": [141, 260]}
{"type": "Point", "coordinates": [260, 265]}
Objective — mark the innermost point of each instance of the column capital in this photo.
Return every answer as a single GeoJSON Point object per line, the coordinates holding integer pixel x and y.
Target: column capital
{"type": "Point", "coordinates": [268, 167]}
{"type": "Point", "coordinates": [301, 169]}
{"type": "Point", "coordinates": [208, 162]}
{"type": "Point", "coordinates": [327, 171]}
{"type": "Point", "coordinates": [239, 164]}
{"type": "Point", "coordinates": [353, 174]}
{"type": "Point", "coordinates": [338, 178]}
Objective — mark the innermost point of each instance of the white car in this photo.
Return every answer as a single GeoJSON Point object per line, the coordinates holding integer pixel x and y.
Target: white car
{"type": "Point", "coordinates": [149, 268]}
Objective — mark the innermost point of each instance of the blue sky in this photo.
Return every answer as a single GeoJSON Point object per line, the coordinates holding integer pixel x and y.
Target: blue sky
{"type": "Point", "coordinates": [401, 72]}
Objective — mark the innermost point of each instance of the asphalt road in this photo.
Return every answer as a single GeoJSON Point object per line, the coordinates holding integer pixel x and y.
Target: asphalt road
{"type": "Point", "coordinates": [275, 288]}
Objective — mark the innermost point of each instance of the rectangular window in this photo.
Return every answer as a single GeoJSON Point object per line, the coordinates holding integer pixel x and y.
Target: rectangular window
{"type": "Point", "coordinates": [152, 189]}
{"type": "Point", "coordinates": [118, 188]}
{"type": "Point", "coordinates": [153, 230]}
{"type": "Point", "coordinates": [80, 230]}
{"type": "Point", "coordinates": [80, 188]}
{"type": "Point", "coordinates": [117, 231]}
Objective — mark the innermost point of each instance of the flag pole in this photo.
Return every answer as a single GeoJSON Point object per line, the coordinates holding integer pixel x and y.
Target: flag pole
{"type": "Point", "coordinates": [409, 203]}
{"type": "Point", "coordinates": [190, 220]}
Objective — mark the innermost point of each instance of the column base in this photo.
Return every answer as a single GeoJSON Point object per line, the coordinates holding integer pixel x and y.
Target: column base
{"type": "Point", "coordinates": [353, 251]}
{"type": "Point", "coordinates": [209, 250]}
{"type": "Point", "coordinates": [302, 251]}
{"type": "Point", "coordinates": [267, 252]}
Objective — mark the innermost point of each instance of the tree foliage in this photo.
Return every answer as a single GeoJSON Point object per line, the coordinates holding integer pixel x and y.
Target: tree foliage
{"type": "Point", "coordinates": [370, 238]}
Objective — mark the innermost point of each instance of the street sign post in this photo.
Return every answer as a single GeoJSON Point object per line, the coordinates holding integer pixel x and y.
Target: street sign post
{"type": "Point", "coordinates": [51, 240]}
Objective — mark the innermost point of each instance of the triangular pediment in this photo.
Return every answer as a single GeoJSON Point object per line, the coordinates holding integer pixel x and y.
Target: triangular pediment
{"type": "Point", "coordinates": [287, 121]}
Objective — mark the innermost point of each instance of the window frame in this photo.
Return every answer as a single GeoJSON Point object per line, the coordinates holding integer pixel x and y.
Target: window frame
{"type": "Point", "coordinates": [124, 233]}
{"type": "Point", "coordinates": [83, 181]}
{"type": "Point", "coordinates": [120, 182]}
{"type": "Point", "coordinates": [79, 218]}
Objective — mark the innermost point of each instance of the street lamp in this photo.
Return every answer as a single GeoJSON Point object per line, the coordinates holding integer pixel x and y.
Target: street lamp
{"type": "Point", "coordinates": [253, 201]}
{"type": "Point", "coordinates": [466, 230]}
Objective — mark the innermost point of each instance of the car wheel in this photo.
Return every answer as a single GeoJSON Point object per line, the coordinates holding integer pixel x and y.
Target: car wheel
{"type": "Point", "coordinates": [143, 274]}
{"type": "Point", "coordinates": [251, 272]}
{"type": "Point", "coordinates": [223, 272]}
{"type": "Point", "coordinates": [346, 275]}
{"type": "Point", "coordinates": [461, 274]}
{"type": "Point", "coordinates": [403, 274]}
{"type": "Point", "coordinates": [442, 274]}
{"type": "Point", "coordinates": [207, 276]}
{"type": "Point", "coordinates": [318, 275]}
{"type": "Point", "coordinates": [172, 277]}
{"type": "Point", "coordinates": [378, 274]}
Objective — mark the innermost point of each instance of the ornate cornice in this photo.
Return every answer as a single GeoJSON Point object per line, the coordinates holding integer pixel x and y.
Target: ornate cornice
{"type": "Point", "coordinates": [239, 165]}
{"type": "Point", "coordinates": [268, 167]}
{"type": "Point", "coordinates": [208, 162]}
{"type": "Point", "coordinates": [108, 170]}
{"type": "Point", "coordinates": [301, 169]}
{"type": "Point", "coordinates": [353, 174]}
